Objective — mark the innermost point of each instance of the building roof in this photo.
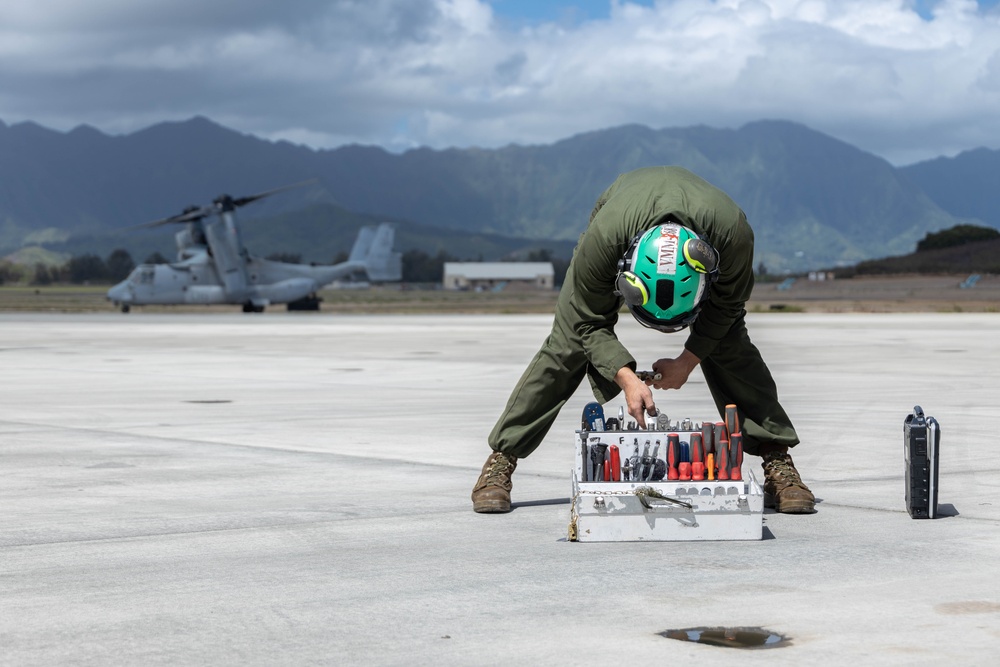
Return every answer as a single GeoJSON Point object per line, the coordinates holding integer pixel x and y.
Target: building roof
{"type": "Point", "coordinates": [499, 270]}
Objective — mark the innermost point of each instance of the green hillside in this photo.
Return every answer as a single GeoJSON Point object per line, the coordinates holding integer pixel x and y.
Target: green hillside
{"type": "Point", "coordinates": [813, 200]}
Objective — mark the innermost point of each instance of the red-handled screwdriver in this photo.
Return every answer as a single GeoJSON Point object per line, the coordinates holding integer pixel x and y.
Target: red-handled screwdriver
{"type": "Point", "coordinates": [722, 450]}
{"type": "Point", "coordinates": [616, 464]}
{"type": "Point", "coordinates": [707, 433]}
{"type": "Point", "coordinates": [732, 421]}
{"type": "Point", "coordinates": [673, 455]}
{"type": "Point", "coordinates": [736, 456]}
{"type": "Point", "coordinates": [697, 457]}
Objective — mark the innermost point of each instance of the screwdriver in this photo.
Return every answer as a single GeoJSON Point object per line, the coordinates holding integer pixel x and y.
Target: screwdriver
{"type": "Point", "coordinates": [616, 464]}
{"type": "Point", "coordinates": [673, 455]}
{"type": "Point", "coordinates": [684, 467]}
{"type": "Point", "coordinates": [647, 464]}
{"type": "Point", "coordinates": [732, 421]}
{"type": "Point", "coordinates": [722, 449]}
{"type": "Point", "coordinates": [657, 471]}
{"type": "Point", "coordinates": [707, 437]}
{"type": "Point", "coordinates": [736, 456]}
{"type": "Point", "coordinates": [697, 457]}
{"type": "Point", "coordinates": [710, 465]}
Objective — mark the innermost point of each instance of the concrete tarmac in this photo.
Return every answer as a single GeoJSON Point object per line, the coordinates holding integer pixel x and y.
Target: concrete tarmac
{"type": "Point", "coordinates": [294, 489]}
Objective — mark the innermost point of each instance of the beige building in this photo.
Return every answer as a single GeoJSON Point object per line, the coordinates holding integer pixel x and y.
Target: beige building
{"type": "Point", "coordinates": [498, 276]}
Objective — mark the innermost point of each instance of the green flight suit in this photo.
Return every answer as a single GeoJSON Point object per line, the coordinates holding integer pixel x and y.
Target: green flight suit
{"type": "Point", "coordinates": [583, 341]}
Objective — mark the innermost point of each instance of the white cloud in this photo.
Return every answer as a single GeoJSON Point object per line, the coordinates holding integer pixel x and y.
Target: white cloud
{"type": "Point", "coordinates": [449, 73]}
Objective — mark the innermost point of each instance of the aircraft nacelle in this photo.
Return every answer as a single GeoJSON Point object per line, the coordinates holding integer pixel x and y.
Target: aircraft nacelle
{"type": "Point", "coordinates": [191, 236]}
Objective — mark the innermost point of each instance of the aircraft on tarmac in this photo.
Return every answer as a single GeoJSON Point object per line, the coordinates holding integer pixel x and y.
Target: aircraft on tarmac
{"type": "Point", "coordinates": [214, 267]}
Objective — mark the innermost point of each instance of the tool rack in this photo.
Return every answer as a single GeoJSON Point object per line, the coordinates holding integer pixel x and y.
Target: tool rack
{"type": "Point", "coordinates": [647, 509]}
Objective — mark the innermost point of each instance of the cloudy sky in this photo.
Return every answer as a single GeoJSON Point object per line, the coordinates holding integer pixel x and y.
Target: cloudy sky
{"type": "Point", "coordinates": [905, 79]}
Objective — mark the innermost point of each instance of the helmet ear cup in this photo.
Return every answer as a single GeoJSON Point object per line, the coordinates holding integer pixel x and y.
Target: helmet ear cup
{"type": "Point", "coordinates": [632, 289]}
{"type": "Point", "coordinates": [702, 257]}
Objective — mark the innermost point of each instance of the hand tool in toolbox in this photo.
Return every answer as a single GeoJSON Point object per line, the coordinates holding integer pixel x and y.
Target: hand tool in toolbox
{"type": "Point", "coordinates": [659, 467]}
{"type": "Point", "coordinates": [732, 420]}
{"type": "Point", "coordinates": [597, 460]}
{"type": "Point", "coordinates": [646, 464]}
{"type": "Point", "coordinates": [673, 455]}
{"type": "Point", "coordinates": [736, 456]}
{"type": "Point", "coordinates": [623, 490]}
{"type": "Point", "coordinates": [662, 421]}
{"type": "Point", "coordinates": [708, 437]}
{"type": "Point", "coordinates": [684, 467]}
{"type": "Point", "coordinates": [697, 458]}
{"type": "Point", "coordinates": [616, 463]}
{"type": "Point", "coordinates": [593, 417]}
{"type": "Point", "coordinates": [722, 459]}
{"type": "Point", "coordinates": [921, 452]}
{"type": "Point", "coordinates": [712, 451]}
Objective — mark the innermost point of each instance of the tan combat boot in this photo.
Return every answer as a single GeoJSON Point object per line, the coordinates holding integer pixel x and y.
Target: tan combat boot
{"type": "Point", "coordinates": [492, 491]}
{"type": "Point", "coordinates": [783, 488]}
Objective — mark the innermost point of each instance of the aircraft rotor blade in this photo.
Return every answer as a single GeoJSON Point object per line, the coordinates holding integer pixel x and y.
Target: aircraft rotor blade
{"type": "Point", "coordinates": [193, 213]}
{"type": "Point", "coordinates": [190, 214]}
{"type": "Point", "coordinates": [243, 201]}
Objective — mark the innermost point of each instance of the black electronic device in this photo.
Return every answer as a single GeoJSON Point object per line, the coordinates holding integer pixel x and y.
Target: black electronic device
{"type": "Point", "coordinates": [921, 445]}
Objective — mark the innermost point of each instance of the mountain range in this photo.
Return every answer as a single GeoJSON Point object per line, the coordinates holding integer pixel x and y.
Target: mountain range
{"type": "Point", "coordinates": [814, 201]}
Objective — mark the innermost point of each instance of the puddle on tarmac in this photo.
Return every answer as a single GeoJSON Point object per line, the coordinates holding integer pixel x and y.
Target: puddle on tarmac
{"type": "Point", "coordinates": [731, 637]}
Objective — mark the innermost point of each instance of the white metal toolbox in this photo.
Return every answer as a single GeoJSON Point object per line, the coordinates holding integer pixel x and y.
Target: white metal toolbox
{"type": "Point", "coordinates": [644, 508]}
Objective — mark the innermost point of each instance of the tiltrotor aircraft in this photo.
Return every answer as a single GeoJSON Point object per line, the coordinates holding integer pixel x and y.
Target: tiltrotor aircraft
{"type": "Point", "coordinates": [213, 266]}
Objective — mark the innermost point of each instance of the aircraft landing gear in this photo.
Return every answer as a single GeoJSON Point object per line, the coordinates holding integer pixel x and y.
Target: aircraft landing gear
{"type": "Point", "coordinates": [310, 302]}
{"type": "Point", "coordinates": [249, 307]}
{"type": "Point", "coordinates": [126, 308]}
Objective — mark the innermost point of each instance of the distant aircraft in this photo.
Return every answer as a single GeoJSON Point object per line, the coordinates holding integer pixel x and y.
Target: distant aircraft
{"type": "Point", "coordinates": [213, 266]}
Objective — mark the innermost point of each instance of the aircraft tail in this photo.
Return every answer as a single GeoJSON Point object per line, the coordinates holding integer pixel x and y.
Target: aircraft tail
{"type": "Point", "coordinates": [373, 248]}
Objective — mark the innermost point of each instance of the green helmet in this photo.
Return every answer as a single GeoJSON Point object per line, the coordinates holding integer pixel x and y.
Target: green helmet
{"type": "Point", "coordinates": [665, 275]}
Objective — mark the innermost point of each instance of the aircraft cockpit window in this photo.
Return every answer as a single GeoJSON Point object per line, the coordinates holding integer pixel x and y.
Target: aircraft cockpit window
{"type": "Point", "coordinates": [146, 275]}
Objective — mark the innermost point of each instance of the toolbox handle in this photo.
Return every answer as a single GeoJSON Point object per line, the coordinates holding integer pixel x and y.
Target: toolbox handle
{"type": "Point", "coordinates": [646, 493]}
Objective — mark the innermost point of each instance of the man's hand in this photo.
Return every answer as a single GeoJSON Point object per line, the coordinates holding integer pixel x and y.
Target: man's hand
{"type": "Point", "coordinates": [675, 372]}
{"type": "Point", "coordinates": [638, 397]}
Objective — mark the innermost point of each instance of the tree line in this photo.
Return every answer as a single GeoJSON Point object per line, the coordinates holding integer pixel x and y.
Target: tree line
{"type": "Point", "coordinates": [421, 267]}
{"type": "Point", "coordinates": [80, 269]}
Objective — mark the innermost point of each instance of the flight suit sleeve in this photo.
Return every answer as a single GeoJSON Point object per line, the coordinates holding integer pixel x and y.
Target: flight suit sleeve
{"type": "Point", "coordinates": [592, 307]}
{"type": "Point", "coordinates": [728, 296]}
